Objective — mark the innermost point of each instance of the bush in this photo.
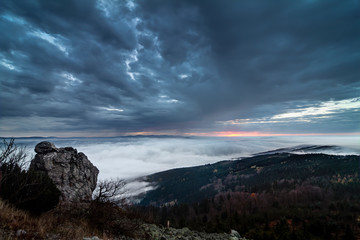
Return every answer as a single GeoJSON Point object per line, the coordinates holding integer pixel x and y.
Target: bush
{"type": "Point", "coordinates": [112, 219]}
{"type": "Point", "coordinates": [28, 190]}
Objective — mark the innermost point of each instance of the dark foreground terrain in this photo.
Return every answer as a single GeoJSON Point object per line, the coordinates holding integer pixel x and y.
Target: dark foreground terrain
{"type": "Point", "coordinates": [268, 196]}
{"type": "Point", "coordinates": [273, 195]}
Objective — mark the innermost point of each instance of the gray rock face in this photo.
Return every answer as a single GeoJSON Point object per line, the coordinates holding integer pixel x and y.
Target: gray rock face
{"type": "Point", "coordinates": [73, 174]}
{"type": "Point", "coordinates": [45, 147]}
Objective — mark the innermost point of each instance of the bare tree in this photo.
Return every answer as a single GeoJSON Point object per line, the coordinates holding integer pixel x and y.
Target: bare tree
{"type": "Point", "coordinates": [12, 156]}
{"type": "Point", "coordinates": [111, 191]}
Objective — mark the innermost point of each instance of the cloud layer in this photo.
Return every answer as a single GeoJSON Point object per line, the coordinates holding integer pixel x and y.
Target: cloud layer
{"type": "Point", "coordinates": [129, 157]}
{"type": "Point", "coordinates": [107, 67]}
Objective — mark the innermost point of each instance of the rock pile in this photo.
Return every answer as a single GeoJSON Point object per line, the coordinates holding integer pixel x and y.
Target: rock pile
{"type": "Point", "coordinates": [71, 171]}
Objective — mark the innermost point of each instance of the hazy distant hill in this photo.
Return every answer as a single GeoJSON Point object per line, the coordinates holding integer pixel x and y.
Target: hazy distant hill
{"type": "Point", "coordinates": [253, 174]}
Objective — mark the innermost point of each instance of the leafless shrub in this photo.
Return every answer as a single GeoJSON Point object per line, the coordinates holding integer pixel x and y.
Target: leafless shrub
{"type": "Point", "coordinates": [111, 191]}
{"type": "Point", "coordinates": [13, 157]}
{"type": "Point", "coordinates": [109, 210]}
{"type": "Point", "coordinates": [12, 154]}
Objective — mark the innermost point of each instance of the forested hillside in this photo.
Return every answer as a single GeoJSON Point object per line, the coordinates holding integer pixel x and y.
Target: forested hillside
{"type": "Point", "coordinates": [273, 196]}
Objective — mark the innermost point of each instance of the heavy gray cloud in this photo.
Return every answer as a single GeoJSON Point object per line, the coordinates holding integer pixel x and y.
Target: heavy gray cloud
{"type": "Point", "coordinates": [111, 67]}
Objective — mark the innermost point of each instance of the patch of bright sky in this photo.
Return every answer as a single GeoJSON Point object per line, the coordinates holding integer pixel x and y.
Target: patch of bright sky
{"type": "Point", "coordinates": [111, 109]}
{"type": "Point", "coordinates": [70, 79]}
{"type": "Point", "coordinates": [104, 6]}
{"type": "Point", "coordinates": [166, 99]}
{"type": "Point", "coordinates": [182, 76]}
{"type": "Point", "coordinates": [8, 64]}
{"type": "Point", "coordinates": [131, 5]}
{"type": "Point", "coordinates": [325, 108]}
{"type": "Point", "coordinates": [303, 114]}
{"type": "Point", "coordinates": [107, 8]}
{"type": "Point", "coordinates": [132, 58]}
{"type": "Point", "coordinates": [18, 54]}
{"type": "Point", "coordinates": [50, 39]}
{"type": "Point", "coordinates": [14, 19]}
{"type": "Point", "coordinates": [40, 34]}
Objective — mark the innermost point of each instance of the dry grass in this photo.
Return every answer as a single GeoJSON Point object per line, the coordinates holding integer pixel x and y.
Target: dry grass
{"type": "Point", "coordinates": [59, 223]}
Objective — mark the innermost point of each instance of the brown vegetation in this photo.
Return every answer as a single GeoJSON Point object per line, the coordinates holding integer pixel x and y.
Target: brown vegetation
{"type": "Point", "coordinates": [67, 221]}
{"type": "Point", "coordinates": [53, 223]}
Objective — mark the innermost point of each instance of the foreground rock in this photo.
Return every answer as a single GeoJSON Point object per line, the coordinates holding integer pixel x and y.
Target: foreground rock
{"type": "Point", "coordinates": [154, 232]}
{"type": "Point", "coordinates": [158, 233]}
{"type": "Point", "coordinates": [71, 171]}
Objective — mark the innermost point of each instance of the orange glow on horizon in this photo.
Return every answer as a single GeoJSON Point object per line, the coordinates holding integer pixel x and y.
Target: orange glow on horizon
{"type": "Point", "coordinates": [264, 134]}
{"type": "Point", "coordinates": [226, 134]}
{"type": "Point", "coordinates": [144, 133]}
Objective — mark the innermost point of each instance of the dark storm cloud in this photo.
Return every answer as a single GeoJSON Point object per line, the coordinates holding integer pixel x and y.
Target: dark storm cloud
{"type": "Point", "coordinates": [87, 47]}
{"type": "Point", "coordinates": [125, 66]}
{"type": "Point", "coordinates": [74, 17]}
{"type": "Point", "coordinates": [259, 47]}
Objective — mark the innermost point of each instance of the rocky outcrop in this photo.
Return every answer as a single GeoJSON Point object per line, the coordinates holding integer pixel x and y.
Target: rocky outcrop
{"type": "Point", "coordinates": [154, 232]}
{"type": "Point", "coordinates": [71, 171]}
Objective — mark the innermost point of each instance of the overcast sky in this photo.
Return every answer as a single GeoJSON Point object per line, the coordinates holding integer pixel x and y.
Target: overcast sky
{"type": "Point", "coordinates": [107, 68]}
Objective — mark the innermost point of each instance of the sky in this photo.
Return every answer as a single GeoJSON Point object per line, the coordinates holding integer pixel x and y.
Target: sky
{"type": "Point", "coordinates": [209, 68]}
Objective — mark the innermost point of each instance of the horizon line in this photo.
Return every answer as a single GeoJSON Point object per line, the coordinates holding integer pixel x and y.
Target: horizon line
{"type": "Point", "coordinates": [197, 134]}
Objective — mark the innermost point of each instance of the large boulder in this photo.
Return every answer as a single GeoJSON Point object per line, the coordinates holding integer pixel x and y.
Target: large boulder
{"type": "Point", "coordinates": [71, 171]}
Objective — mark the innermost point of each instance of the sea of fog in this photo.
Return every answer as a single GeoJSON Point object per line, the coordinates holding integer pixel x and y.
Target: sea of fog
{"type": "Point", "coordinates": [131, 157]}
